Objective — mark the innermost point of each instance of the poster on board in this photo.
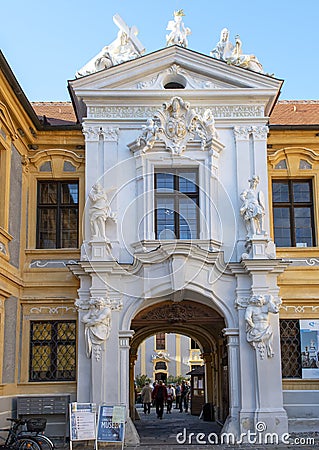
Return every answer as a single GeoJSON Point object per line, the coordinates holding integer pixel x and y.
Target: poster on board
{"type": "Point", "coordinates": [82, 421]}
{"type": "Point", "coordinates": [309, 339]}
{"type": "Point", "coordinates": [111, 423]}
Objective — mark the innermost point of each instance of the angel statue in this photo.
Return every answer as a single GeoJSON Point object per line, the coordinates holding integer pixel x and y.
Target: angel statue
{"type": "Point", "coordinates": [149, 135]}
{"type": "Point", "coordinates": [253, 208]}
{"type": "Point", "coordinates": [179, 32]}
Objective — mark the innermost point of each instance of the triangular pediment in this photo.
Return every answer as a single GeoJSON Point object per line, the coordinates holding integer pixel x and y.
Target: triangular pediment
{"type": "Point", "coordinates": [148, 76]}
{"type": "Point", "coordinates": [152, 71]}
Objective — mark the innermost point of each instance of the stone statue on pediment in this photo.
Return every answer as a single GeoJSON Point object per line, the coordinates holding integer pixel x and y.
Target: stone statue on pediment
{"type": "Point", "coordinates": [237, 58]}
{"type": "Point", "coordinates": [124, 48]}
{"type": "Point", "coordinates": [178, 31]}
{"type": "Point", "coordinates": [224, 47]}
{"type": "Point", "coordinates": [233, 54]}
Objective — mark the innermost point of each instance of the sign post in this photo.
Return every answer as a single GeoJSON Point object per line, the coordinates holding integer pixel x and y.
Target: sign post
{"type": "Point", "coordinates": [82, 422]}
{"type": "Point", "coordinates": [111, 424]}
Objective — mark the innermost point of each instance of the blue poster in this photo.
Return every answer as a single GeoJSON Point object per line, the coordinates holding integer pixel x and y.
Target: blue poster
{"type": "Point", "coordinates": [111, 423]}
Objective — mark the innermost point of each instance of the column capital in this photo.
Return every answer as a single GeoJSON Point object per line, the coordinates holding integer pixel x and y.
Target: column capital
{"type": "Point", "coordinates": [124, 337]}
{"type": "Point", "coordinates": [207, 357]}
{"type": "Point", "coordinates": [94, 133]}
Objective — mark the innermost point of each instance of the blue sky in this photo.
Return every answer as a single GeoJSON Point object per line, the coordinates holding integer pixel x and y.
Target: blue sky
{"type": "Point", "coordinates": [46, 42]}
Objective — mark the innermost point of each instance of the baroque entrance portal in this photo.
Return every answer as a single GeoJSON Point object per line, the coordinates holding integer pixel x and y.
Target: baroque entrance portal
{"type": "Point", "coordinates": [176, 231]}
{"type": "Point", "coordinates": [201, 323]}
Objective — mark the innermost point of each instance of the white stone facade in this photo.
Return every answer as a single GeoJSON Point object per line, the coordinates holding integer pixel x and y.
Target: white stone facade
{"type": "Point", "coordinates": [221, 269]}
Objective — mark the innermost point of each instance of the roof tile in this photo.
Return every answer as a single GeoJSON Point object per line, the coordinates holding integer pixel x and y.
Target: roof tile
{"type": "Point", "coordinates": [55, 113]}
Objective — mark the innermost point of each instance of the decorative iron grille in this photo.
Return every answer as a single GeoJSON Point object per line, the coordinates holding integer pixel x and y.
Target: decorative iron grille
{"type": "Point", "coordinates": [52, 350]}
{"type": "Point", "coordinates": [290, 348]}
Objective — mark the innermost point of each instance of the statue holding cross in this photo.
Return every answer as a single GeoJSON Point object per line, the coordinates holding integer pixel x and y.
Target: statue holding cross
{"type": "Point", "coordinates": [125, 47]}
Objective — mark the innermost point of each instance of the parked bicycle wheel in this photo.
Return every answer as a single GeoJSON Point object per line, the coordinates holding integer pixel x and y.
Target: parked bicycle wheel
{"type": "Point", "coordinates": [27, 444]}
{"type": "Point", "coordinates": [44, 442]}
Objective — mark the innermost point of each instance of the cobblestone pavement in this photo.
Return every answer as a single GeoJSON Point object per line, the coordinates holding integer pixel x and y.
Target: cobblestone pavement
{"type": "Point", "coordinates": [156, 434]}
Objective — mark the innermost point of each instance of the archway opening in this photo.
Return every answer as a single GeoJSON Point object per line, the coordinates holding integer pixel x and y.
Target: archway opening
{"type": "Point", "coordinates": [174, 339]}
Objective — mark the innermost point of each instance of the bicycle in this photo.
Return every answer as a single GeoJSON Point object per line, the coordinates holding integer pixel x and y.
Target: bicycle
{"type": "Point", "coordinates": [15, 441]}
{"type": "Point", "coordinates": [35, 429]}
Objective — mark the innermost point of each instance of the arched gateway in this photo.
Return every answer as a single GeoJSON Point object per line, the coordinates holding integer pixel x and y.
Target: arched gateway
{"type": "Point", "coordinates": [177, 220]}
{"type": "Point", "coordinates": [201, 323]}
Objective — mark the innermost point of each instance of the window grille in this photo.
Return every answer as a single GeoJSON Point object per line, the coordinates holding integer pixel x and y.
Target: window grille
{"type": "Point", "coordinates": [52, 350]}
{"type": "Point", "coordinates": [290, 348]}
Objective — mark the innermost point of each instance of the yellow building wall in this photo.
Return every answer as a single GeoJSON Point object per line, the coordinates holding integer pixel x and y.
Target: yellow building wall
{"type": "Point", "coordinates": [299, 283]}
{"type": "Point", "coordinates": [42, 293]}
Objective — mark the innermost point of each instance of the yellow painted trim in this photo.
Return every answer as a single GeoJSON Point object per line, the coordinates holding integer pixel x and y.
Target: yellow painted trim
{"type": "Point", "coordinates": [178, 356]}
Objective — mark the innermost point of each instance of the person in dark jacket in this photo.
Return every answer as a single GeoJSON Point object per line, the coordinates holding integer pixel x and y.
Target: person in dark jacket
{"type": "Point", "coordinates": [159, 394]}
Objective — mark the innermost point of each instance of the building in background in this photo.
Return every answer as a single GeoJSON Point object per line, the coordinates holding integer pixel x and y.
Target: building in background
{"type": "Point", "coordinates": [167, 355]}
{"type": "Point", "coordinates": [147, 207]}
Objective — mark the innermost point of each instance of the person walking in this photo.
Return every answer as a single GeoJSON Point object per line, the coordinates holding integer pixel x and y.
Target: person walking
{"type": "Point", "coordinates": [170, 398]}
{"type": "Point", "coordinates": [146, 395]}
{"type": "Point", "coordinates": [184, 397]}
{"type": "Point", "coordinates": [159, 394]}
{"type": "Point", "coordinates": [177, 395]}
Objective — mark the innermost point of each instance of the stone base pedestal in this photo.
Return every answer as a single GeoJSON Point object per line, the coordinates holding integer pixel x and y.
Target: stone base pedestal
{"type": "Point", "coordinates": [101, 250]}
{"type": "Point", "coordinates": [259, 246]}
{"type": "Point", "coordinates": [131, 435]}
{"type": "Point", "coordinates": [271, 421]}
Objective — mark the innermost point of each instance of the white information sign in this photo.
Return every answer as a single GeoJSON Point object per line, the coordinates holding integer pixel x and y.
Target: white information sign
{"type": "Point", "coordinates": [82, 421]}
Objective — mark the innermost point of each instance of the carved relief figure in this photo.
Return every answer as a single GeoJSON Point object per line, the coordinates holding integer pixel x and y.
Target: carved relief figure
{"type": "Point", "coordinates": [224, 47]}
{"type": "Point", "coordinates": [179, 32]}
{"type": "Point", "coordinates": [258, 328]}
{"type": "Point", "coordinates": [253, 208]}
{"type": "Point", "coordinates": [97, 323]}
{"type": "Point", "coordinates": [99, 211]}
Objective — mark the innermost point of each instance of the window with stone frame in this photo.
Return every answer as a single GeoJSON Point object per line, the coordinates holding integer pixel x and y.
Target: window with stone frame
{"type": "Point", "coordinates": [57, 214]}
{"type": "Point", "coordinates": [290, 348]}
{"type": "Point", "coordinates": [52, 350]}
{"type": "Point", "coordinates": [176, 204]}
{"type": "Point", "coordinates": [293, 214]}
{"type": "Point", "coordinates": [160, 341]}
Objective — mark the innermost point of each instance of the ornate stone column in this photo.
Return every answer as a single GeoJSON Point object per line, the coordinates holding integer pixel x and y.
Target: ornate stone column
{"type": "Point", "coordinates": [259, 315]}
{"type": "Point", "coordinates": [132, 359]}
{"type": "Point", "coordinates": [232, 424]}
{"type": "Point", "coordinates": [209, 380]}
{"type": "Point", "coordinates": [124, 343]}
